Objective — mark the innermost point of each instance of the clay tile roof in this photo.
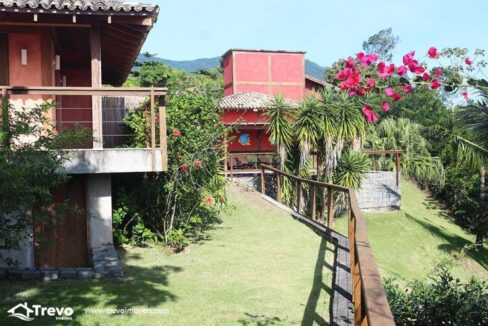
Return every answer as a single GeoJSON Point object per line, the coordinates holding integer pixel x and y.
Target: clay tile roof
{"type": "Point", "coordinates": [80, 5]}
{"type": "Point", "coordinates": [250, 100]}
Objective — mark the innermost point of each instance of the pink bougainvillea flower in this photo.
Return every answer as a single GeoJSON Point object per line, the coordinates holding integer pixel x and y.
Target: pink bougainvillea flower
{"type": "Point", "coordinates": [413, 65]}
{"type": "Point", "coordinates": [389, 92]}
{"type": "Point", "coordinates": [176, 133]}
{"type": "Point", "coordinates": [438, 72]}
{"type": "Point", "coordinates": [184, 166]}
{"type": "Point", "coordinates": [361, 91]}
{"type": "Point", "coordinates": [369, 114]}
{"type": "Point", "coordinates": [465, 95]}
{"type": "Point", "coordinates": [402, 70]}
{"type": "Point", "coordinates": [396, 97]}
{"type": "Point", "coordinates": [419, 70]}
{"type": "Point", "coordinates": [407, 89]}
{"type": "Point", "coordinates": [209, 201]}
{"type": "Point", "coordinates": [435, 84]}
{"type": "Point", "coordinates": [426, 76]}
{"type": "Point", "coordinates": [366, 59]}
{"type": "Point", "coordinates": [349, 62]}
{"type": "Point", "coordinates": [407, 58]}
{"type": "Point", "coordinates": [198, 163]}
{"type": "Point", "coordinates": [468, 61]}
{"type": "Point", "coordinates": [385, 106]}
{"type": "Point", "coordinates": [371, 82]}
{"type": "Point", "coordinates": [433, 54]}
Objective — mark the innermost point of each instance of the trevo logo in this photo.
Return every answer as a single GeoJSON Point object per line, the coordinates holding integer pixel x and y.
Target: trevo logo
{"type": "Point", "coordinates": [23, 312]}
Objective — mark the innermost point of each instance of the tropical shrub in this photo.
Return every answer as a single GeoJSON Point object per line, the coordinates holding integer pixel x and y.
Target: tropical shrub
{"type": "Point", "coordinates": [444, 300]}
{"type": "Point", "coordinates": [417, 162]}
{"type": "Point", "coordinates": [173, 205]}
{"type": "Point", "coordinates": [30, 167]}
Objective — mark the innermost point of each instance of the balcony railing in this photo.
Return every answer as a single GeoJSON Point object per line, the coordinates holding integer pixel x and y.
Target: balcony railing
{"type": "Point", "coordinates": [157, 119]}
{"type": "Point", "coordinates": [368, 295]}
{"type": "Point", "coordinates": [248, 162]}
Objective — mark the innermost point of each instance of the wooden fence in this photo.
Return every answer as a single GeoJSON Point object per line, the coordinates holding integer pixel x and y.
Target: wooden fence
{"type": "Point", "coordinates": [368, 295]}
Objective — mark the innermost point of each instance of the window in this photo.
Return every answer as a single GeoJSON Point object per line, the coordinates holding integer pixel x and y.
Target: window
{"type": "Point", "coordinates": [3, 59]}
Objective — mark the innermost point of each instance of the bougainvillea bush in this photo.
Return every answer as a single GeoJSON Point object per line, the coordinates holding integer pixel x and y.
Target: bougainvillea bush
{"type": "Point", "coordinates": [170, 206]}
{"type": "Point", "coordinates": [381, 84]}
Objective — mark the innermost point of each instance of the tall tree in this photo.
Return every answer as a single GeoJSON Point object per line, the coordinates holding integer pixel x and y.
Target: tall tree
{"type": "Point", "coordinates": [382, 43]}
{"type": "Point", "coordinates": [280, 127]}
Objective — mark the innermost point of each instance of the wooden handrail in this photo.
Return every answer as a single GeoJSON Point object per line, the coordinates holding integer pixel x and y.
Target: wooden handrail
{"type": "Point", "coordinates": [368, 295]}
{"type": "Point", "coordinates": [152, 92]}
{"type": "Point", "coordinates": [229, 159]}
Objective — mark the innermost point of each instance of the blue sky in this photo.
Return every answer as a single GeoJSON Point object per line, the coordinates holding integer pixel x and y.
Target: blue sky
{"type": "Point", "coordinates": [326, 29]}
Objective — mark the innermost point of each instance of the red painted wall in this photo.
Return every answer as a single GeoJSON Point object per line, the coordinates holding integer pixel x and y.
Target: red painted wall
{"type": "Point", "coordinates": [312, 87]}
{"type": "Point", "coordinates": [258, 139]}
{"type": "Point", "coordinates": [241, 116]}
{"type": "Point", "coordinates": [273, 73]}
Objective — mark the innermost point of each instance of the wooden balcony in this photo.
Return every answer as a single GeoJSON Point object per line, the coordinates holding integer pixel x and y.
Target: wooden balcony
{"type": "Point", "coordinates": [95, 157]}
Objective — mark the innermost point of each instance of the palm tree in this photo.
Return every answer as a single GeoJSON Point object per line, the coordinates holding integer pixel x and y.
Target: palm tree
{"type": "Point", "coordinates": [474, 151]}
{"type": "Point", "coordinates": [307, 132]}
{"type": "Point", "coordinates": [342, 123]}
{"type": "Point", "coordinates": [280, 127]}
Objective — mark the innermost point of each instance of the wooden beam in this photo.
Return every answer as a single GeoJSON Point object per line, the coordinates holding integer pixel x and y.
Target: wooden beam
{"type": "Point", "coordinates": [96, 81]}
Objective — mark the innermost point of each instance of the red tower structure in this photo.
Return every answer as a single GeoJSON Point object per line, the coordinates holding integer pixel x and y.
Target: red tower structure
{"type": "Point", "coordinates": [251, 80]}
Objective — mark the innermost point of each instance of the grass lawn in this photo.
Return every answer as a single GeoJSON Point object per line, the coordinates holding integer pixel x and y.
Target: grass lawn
{"type": "Point", "coordinates": [408, 244]}
{"type": "Point", "coordinates": [259, 266]}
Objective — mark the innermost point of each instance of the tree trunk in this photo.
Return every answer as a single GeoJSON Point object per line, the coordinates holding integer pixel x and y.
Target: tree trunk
{"type": "Point", "coordinates": [479, 240]}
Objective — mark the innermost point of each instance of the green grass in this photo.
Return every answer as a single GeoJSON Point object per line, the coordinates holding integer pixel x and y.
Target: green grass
{"type": "Point", "coordinates": [408, 244]}
{"type": "Point", "coordinates": [259, 266]}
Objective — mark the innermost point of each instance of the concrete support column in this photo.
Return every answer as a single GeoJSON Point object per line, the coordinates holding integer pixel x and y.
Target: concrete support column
{"type": "Point", "coordinates": [98, 188]}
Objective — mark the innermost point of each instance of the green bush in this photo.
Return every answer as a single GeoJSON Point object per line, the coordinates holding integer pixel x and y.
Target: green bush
{"type": "Point", "coordinates": [443, 301]}
{"type": "Point", "coordinates": [173, 205]}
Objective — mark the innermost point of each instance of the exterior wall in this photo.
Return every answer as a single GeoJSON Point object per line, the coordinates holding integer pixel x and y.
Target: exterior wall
{"type": "Point", "coordinates": [379, 192]}
{"type": "Point", "coordinates": [228, 75]}
{"type": "Point", "coordinates": [274, 73]}
{"type": "Point", "coordinates": [243, 116]}
{"type": "Point", "coordinates": [312, 87]}
{"type": "Point", "coordinates": [259, 141]}
{"type": "Point", "coordinates": [23, 256]}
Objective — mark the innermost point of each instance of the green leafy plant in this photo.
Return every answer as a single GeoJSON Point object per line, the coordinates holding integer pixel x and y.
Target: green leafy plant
{"type": "Point", "coordinates": [445, 300]}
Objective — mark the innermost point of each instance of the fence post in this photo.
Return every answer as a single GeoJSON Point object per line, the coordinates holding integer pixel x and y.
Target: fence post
{"type": "Point", "coordinates": [314, 201]}
{"type": "Point", "coordinates": [330, 207]}
{"type": "Point", "coordinates": [298, 193]}
{"type": "Point", "coordinates": [262, 180]}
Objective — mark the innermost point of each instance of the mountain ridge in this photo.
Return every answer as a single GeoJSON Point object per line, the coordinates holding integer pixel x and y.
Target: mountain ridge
{"type": "Point", "coordinates": [311, 68]}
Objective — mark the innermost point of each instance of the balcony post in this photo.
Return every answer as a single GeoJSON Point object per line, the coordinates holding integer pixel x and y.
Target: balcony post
{"type": "Point", "coordinates": [96, 81]}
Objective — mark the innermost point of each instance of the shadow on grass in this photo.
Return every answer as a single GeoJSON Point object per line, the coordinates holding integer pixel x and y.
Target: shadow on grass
{"type": "Point", "coordinates": [310, 314]}
{"type": "Point", "coordinates": [454, 243]}
{"type": "Point", "coordinates": [260, 320]}
{"type": "Point", "coordinates": [141, 287]}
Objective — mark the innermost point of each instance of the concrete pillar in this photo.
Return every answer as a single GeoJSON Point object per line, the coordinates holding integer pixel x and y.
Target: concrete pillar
{"type": "Point", "coordinates": [98, 189]}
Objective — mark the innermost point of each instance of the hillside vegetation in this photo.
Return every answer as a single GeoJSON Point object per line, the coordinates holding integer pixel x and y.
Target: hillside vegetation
{"type": "Point", "coordinates": [410, 243]}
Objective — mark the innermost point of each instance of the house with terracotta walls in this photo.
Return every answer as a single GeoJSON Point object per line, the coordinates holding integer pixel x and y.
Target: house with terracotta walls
{"type": "Point", "coordinates": [251, 80]}
{"type": "Point", "coordinates": [77, 54]}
